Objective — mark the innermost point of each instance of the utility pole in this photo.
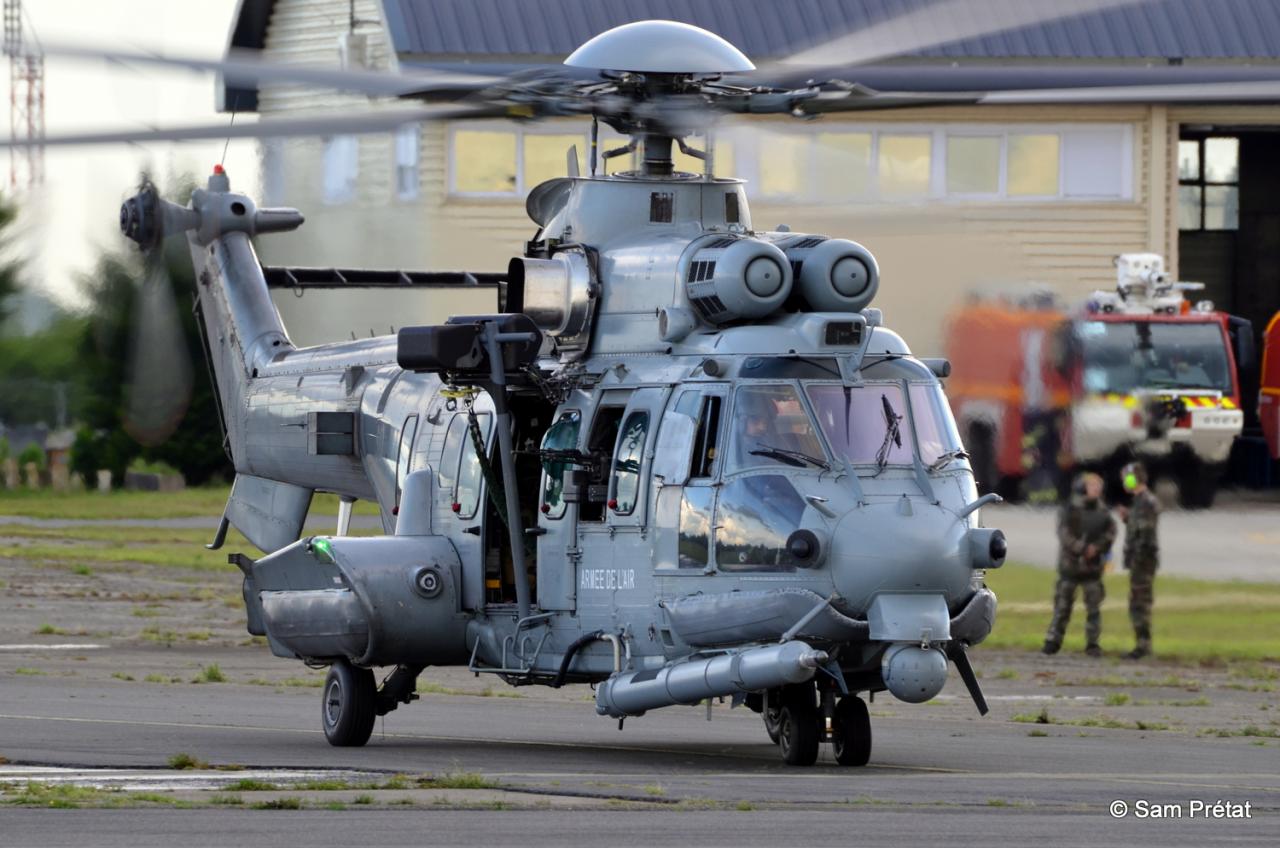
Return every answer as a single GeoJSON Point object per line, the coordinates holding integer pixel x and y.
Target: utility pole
{"type": "Point", "coordinates": [26, 100]}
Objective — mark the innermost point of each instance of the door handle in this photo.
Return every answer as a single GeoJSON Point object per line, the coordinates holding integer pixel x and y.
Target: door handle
{"type": "Point", "coordinates": [474, 531]}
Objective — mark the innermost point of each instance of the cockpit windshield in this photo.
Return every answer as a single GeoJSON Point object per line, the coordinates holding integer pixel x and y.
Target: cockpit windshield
{"type": "Point", "coordinates": [870, 424]}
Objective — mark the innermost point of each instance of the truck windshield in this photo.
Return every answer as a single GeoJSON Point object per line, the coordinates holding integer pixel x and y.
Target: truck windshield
{"type": "Point", "coordinates": [1120, 356]}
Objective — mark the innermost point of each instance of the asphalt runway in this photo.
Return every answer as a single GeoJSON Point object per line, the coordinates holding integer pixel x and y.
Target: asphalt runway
{"type": "Point", "coordinates": [1236, 540]}
{"type": "Point", "coordinates": [942, 774]}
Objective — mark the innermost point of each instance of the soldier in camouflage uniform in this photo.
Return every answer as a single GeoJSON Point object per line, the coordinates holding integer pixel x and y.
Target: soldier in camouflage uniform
{"type": "Point", "coordinates": [1141, 554]}
{"type": "Point", "coordinates": [1086, 532]}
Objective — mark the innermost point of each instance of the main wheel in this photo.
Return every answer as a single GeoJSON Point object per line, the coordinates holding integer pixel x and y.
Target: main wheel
{"type": "Point", "coordinates": [1198, 485]}
{"type": "Point", "coordinates": [798, 732]}
{"type": "Point", "coordinates": [772, 721]}
{"type": "Point", "coordinates": [348, 710]}
{"type": "Point", "coordinates": [851, 736]}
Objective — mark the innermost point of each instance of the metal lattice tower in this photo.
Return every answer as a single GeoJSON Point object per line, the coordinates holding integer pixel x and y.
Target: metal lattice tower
{"type": "Point", "coordinates": [26, 100]}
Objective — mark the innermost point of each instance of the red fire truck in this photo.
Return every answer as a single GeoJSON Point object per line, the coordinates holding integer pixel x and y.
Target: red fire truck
{"type": "Point", "coordinates": [1041, 392]}
{"type": "Point", "coordinates": [1269, 393]}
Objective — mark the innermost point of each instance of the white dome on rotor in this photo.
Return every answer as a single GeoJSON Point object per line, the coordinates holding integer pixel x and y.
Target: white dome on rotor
{"type": "Point", "coordinates": [660, 47]}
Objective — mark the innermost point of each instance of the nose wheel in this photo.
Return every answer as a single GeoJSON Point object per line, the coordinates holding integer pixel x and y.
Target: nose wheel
{"type": "Point", "coordinates": [798, 726]}
{"type": "Point", "coordinates": [851, 732]}
{"type": "Point", "coordinates": [349, 705]}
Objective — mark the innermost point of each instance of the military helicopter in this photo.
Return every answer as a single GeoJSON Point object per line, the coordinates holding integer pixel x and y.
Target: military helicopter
{"type": "Point", "coordinates": [686, 461]}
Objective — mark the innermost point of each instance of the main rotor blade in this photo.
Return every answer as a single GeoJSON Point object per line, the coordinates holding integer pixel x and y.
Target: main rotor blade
{"type": "Point", "coordinates": [943, 22]}
{"type": "Point", "coordinates": [1251, 92]}
{"type": "Point", "coordinates": [382, 120]}
{"type": "Point", "coordinates": [242, 67]}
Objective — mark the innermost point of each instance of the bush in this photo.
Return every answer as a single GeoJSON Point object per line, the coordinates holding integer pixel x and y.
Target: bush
{"type": "Point", "coordinates": [4, 448]}
{"type": "Point", "coordinates": [33, 453]}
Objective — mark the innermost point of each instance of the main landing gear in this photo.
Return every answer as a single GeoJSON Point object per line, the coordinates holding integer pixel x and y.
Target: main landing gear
{"type": "Point", "coordinates": [351, 701]}
{"type": "Point", "coordinates": [798, 722]}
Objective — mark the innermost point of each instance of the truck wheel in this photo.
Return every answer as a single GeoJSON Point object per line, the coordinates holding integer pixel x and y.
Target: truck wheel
{"type": "Point", "coordinates": [348, 709]}
{"type": "Point", "coordinates": [798, 730]}
{"type": "Point", "coordinates": [851, 739]}
{"type": "Point", "coordinates": [1197, 485]}
{"type": "Point", "coordinates": [982, 457]}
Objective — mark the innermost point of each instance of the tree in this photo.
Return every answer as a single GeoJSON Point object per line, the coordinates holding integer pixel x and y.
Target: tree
{"type": "Point", "coordinates": [195, 445]}
{"type": "Point", "coordinates": [9, 268]}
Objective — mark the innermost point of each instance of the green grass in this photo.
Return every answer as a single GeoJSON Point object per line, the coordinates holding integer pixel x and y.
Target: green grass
{"type": "Point", "coordinates": [1194, 620]}
{"type": "Point", "coordinates": [1116, 699]}
{"type": "Point", "coordinates": [120, 675]}
{"type": "Point", "coordinates": [204, 500]}
{"type": "Point", "coordinates": [183, 760]}
{"type": "Point", "coordinates": [210, 674]}
{"type": "Point", "coordinates": [362, 799]}
{"type": "Point", "coordinates": [1045, 717]}
{"type": "Point", "coordinates": [249, 784]}
{"type": "Point", "coordinates": [25, 671]}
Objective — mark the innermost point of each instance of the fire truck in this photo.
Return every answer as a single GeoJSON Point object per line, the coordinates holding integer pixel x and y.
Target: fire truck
{"type": "Point", "coordinates": [1042, 392]}
{"type": "Point", "coordinates": [1269, 393]}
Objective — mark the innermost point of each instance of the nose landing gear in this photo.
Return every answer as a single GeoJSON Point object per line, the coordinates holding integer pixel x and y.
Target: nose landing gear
{"type": "Point", "coordinates": [797, 725]}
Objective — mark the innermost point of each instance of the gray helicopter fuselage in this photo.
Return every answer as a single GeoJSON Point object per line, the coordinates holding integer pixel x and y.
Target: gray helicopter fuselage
{"type": "Point", "coordinates": [693, 536]}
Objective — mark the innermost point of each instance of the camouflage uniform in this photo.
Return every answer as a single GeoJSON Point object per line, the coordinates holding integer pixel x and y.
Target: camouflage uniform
{"type": "Point", "coordinates": [1080, 525]}
{"type": "Point", "coordinates": [1142, 558]}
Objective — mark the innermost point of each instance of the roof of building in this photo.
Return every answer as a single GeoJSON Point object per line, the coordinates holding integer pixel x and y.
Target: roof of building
{"type": "Point", "coordinates": [1153, 29]}
{"type": "Point", "coordinates": [520, 31]}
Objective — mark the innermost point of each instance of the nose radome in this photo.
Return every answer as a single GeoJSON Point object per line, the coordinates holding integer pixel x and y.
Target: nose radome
{"type": "Point", "coordinates": [877, 549]}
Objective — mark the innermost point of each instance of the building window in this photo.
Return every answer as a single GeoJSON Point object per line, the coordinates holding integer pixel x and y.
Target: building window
{"type": "Point", "coordinates": [903, 165]}
{"type": "Point", "coordinates": [408, 144]}
{"type": "Point", "coordinates": [1209, 183]}
{"type": "Point", "coordinates": [341, 168]}
{"type": "Point", "coordinates": [956, 162]}
{"type": "Point", "coordinates": [1032, 169]}
{"type": "Point", "coordinates": [973, 165]}
{"type": "Point", "coordinates": [509, 161]}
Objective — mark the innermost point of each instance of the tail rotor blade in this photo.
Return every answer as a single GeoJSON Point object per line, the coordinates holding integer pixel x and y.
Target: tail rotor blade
{"type": "Point", "coordinates": [159, 375]}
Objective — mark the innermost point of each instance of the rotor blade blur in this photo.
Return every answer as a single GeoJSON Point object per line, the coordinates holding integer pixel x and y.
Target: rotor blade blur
{"type": "Point", "coordinates": [1251, 92]}
{"type": "Point", "coordinates": [159, 377]}
{"type": "Point", "coordinates": [942, 22]}
{"type": "Point", "coordinates": [373, 121]}
{"type": "Point", "coordinates": [247, 68]}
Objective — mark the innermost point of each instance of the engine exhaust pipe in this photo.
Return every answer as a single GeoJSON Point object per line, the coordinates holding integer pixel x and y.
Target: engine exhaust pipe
{"type": "Point", "coordinates": [688, 682]}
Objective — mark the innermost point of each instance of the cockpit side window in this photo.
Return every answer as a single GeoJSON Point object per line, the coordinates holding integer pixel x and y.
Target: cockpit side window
{"type": "Point", "coordinates": [936, 432]}
{"type": "Point", "coordinates": [466, 497]}
{"type": "Point", "coordinates": [706, 444]}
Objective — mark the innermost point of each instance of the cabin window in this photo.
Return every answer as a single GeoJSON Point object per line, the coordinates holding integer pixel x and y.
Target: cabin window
{"type": "Point", "coordinates": [755, 517]}
{"type": "Point", "coordinates": [460, 471]}
{"type": "Point", "coordinates": [772, 428]}
{"type": "Point", "coordinates": [405, 454]}
{"type": "Point", "coordinates": [562, 436]}
{"type": "Point", "coordinates": [627, 462]}
{"type": "Point", "coordinates": [604, 437]}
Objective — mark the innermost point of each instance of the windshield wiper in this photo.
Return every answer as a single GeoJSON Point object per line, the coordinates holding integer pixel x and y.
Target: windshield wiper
{"type": "Point", "coordinates": [943, 460]}
{"type": "Point", "coordinates": [892, 433]}
{"type": "Point", "coordinates": [791, 457]}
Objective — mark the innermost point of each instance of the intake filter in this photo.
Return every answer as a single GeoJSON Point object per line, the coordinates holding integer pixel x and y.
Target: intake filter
{"type": "Point", "coordinates": [728, 278]}
{"type": "Point", "coordinates": [833, 275]}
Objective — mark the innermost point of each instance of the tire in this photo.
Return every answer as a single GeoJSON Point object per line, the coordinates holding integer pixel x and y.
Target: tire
{"type": "Point", "coordinates": [851, 740]}
{"type": "Point", "coordinates": [772, 722]}
{"type": "Point", "coordinates": [348, 705]}
{"type": "Point", "coordinates": [798, 732]}
{"type": "Point", "coordinates": [982, 457]}
{"type": "Point", "coordinates": [1198, 485]}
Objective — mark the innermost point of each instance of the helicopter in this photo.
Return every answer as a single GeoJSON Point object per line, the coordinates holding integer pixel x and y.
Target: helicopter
{"type": "Point", "coordinates": [686, 460]}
